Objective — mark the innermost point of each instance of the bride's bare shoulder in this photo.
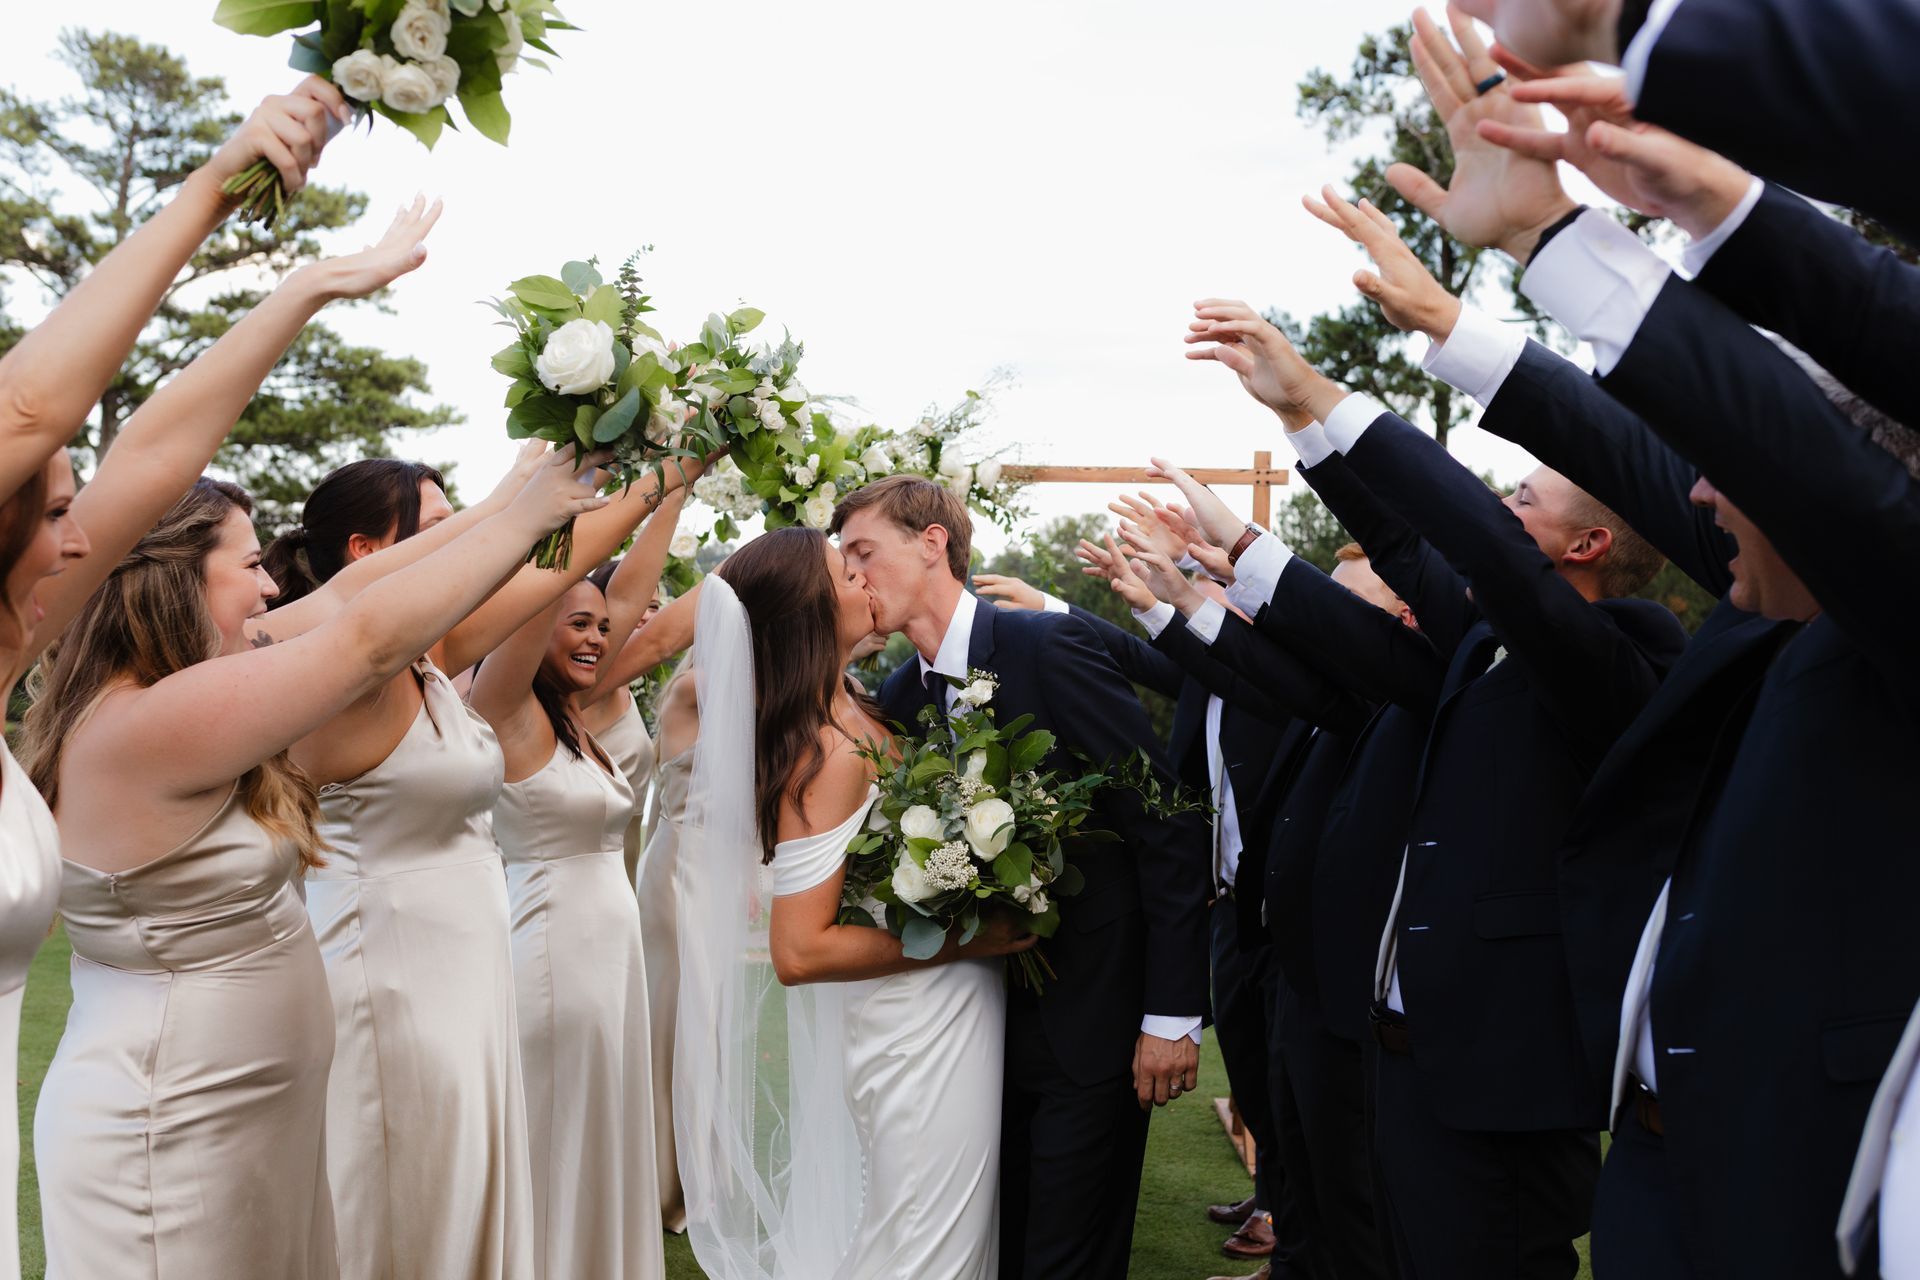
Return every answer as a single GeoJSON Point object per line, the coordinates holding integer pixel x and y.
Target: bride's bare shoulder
{"type": "Point", "coordinates": [835, 791]}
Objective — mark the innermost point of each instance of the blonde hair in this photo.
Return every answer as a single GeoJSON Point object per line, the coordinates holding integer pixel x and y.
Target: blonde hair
{"type": "Point", "coordinates": [146, 622]}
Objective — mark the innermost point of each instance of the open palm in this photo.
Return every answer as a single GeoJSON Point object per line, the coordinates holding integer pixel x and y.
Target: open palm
{"type": "Point", "coordinates": [400, 250]}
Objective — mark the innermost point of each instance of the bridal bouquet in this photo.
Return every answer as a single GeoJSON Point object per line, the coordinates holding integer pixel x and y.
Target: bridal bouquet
{"type": "Point", "coordinates": [586, 369]}
{"type": "Point", "coordinates": [405, 59]}
{"type": "Point", "coordinates": [937, 447]}
{"type": "Point", "coordinates": [968, 822]}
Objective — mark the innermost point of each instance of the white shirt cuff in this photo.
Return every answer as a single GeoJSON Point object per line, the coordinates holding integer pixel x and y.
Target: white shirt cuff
{"type": "Point", "coordinates": [1187, 564]}
{"type": "Point", "coordinates": [1205, 621]}
{"type": "Point", "coordinates": [1694, 257]}
{"type": "Point", "coordinates": [1311, 443]}
{"type": "Point", "coordinates": [1156, 619]}
{"type": "Point", "coordinates": [1051, 603]}
{"type": "Point", "coordinates": [1633, 59]}
{"type": "Point", "coordinates": [1477, 356]}
{"type": "Point", "coordinates": [1258, 572]}
{"type": "Point", "coordinates": [1598, 280]}
{"type": "Point", "coordinates": [1170, 1028]}
{"type": "Point", "coordinates": [1350, 419]}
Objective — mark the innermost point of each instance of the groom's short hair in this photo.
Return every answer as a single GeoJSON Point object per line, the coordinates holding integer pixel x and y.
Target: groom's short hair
{"type": "Point", "coordinates": [914, 503]}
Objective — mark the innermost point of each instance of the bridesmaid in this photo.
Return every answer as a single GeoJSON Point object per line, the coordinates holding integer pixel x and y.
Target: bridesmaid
{"type": "Point", "coordinates": [579, 976]}
{"type": "Point", "coordinates": [49, 382]}
{"type": "Point", "coordinates": [426, 1111]}
{"type": "Point", "coordinates": [181, 1129]}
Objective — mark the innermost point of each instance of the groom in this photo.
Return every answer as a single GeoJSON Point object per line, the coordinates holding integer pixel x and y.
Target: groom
{"type": "Point", "coordinates": [1119, 1027]}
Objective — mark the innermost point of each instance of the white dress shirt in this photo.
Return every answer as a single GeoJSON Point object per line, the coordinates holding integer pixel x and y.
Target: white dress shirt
{"type": "Point", "coordinates": [1227, 846]}
{"type": "Point", "coordinates": [950, 659]}
{"type": "Point", "coordinates": [1634, 58]}
{"type": "Point", "coordinates": [1477, 356]}
{"type": "Point", "coordinates": [1164, 1026]}
{"type": "Point", "coordinates": [1599, 280]}
{"type": "Point", "coordinates": [1694, 257]}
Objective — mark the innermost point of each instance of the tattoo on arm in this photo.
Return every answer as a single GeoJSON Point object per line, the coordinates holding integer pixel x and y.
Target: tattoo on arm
{"type": "Point", "coordinates": [259, 639]}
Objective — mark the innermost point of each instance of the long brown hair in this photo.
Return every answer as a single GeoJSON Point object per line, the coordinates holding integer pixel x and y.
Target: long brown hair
{"type": "Point", "coordinates": [792, 611]}
{"type": "Point", "coordinates": [374, 497]}
{"type": "Point", "coordinates": [20, 517]}
{"type": "Point", "coordinates": [146, 622]}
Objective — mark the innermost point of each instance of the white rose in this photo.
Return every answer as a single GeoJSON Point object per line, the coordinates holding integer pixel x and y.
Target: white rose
{"type": "Point", "coordinates": [406, 87]}
{"type": "Point", "coordinates": [921, 823]}
{"type": "Point", "coordinates": [926, 429]}
{"type": "Point", "coordinates": [508, 54]}
{"type": "Point", "coordinates": [1037, 904]}
{"type": "Point", "coordinates": [420, 33]}
{"type": "Point", "coordinates": [793, 393]}
{"type": "Point", "coordinates": [644, 346]}
{"type": "Point", "coordinates": [958, 481]}
{"type": "Point", "coordinates": [578, 357]}
{"type": "Point", "coordinates": [875, 461]}
{"type": "Point", "coordinates": [763, 391]}
{"type": "Point", "coordinates": [802, 477]}
{"type": "Point", "coordinates": [988, 473]}
{"type": "Point", "coordinates": [1021, 893]}
{"type": "Point", "coordinates": [359, 75]}
{"type": "Point", "coordinates": [977, 766]}
{"type": "Point", "coordinates": [977, 694]}
{"type": "Point", "coordinates": [445, 74]}
{"type": "Point", "coordinates": [910, 882]}
{"type": "Point", "coordinates": [818, 512]}
{"type": "Point", "coordinates": [989, 827]}
{"type": "Point", "coordinates": [769, 416]}
{"type": "Point", "coordinates": [877, 819]}
{"type": "Point", "coordinates": [685, 545]}
{"type": "Point", "coordinates": [829, 491]}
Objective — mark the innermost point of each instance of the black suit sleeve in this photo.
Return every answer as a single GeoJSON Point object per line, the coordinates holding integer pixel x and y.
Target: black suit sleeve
{"type": "Point", "coordinates": [1841, 510]}
{"type": "Point", "coordinates": [1094, 711]}
{"type": "Point", "coordinates": [1245, 669]}
{"type": "Point", "coordinates": [1851, 305]}
{"type": "Point", "coordinates": [1364, 649]}
{"type": "Point", "coordinates": [1804, 91]}
{"type": "Point", "coordinates": [1550, 407]}
{"type": "Point", "coordinates": [1591, 676]}
{"type": "Point", "coordinates": [1138, 661]}
{"type": "Point", "coordinates": [1404, 560]}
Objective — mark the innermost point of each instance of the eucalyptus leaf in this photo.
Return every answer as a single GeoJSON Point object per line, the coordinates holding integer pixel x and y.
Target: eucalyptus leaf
{"type": "Point", "coordinates": [543, 291]}
{"type": "Point", "coordinates": [584, 419]}
{"type": "Point", "coordinates": [921, 939]}
{"type": "Point", "coordinates": [265, 17]}
{"type": "Point", "coordinates": [614, 422]}
{"type": "Point", "coordinates": [580, 277]}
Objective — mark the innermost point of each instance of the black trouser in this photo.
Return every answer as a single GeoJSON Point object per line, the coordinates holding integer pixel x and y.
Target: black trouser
{"type": "Point", "coordinates": [1474, 1205]}
{"type": "Point", "coordinates": [1639, 1228]}
{"type": "Point", "coordinates": [1331, 1165]}
{"type": "Point", "coordinates": [1245, 989]}
{"type": "Point", "coordinates": [1070, 1159]}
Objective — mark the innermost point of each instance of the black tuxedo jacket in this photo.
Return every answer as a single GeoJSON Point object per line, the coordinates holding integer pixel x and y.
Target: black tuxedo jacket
{"type": "Point", "coordinates": [1803, 91]}
{"type": "Point", "coordinates": [1787, 967]}
{"type": "Point", "coordinates": [1851, 305]}
{"type": "Point", "coordinates": [1135, 940]}
{"type": "Point", "coordinates": [1625, 834]}
{"type": "Point", "coordinates": [1512, 746]}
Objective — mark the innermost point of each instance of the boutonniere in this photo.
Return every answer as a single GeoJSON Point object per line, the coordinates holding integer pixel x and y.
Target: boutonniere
{"type": "Point", "coordinates": [1499, 656]}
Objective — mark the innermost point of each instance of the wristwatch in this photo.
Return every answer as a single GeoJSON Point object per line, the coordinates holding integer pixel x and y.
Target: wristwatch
{"type": "Point", "coordinates": [1246, 540]}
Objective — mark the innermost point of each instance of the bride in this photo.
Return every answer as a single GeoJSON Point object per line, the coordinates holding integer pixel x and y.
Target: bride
{"type": "Point", "coordinates": [843, 1120]}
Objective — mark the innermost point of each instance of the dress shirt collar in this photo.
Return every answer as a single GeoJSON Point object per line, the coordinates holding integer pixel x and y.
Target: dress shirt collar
{"type": "Point", "coordinates": [951, 658]}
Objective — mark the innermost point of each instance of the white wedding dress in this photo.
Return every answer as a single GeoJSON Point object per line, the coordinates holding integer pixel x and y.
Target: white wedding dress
{"type": "Point", "coordinates": [835, 1130]}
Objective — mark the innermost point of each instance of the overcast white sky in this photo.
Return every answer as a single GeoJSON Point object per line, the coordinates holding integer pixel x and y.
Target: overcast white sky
{"type": "Point", "coordinates": [921, 194]}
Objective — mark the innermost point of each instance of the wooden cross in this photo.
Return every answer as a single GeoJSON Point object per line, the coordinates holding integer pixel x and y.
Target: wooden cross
{"type": "Point", "coordinates": [1263, 477]}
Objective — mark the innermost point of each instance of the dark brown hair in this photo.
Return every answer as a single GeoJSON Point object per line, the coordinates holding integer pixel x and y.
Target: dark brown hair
{"type": "Point", "coordinates": [147, 621]}
{"type": "Point", "coordinates": [20, 517]}
{"type": "Point", "coordinates": [792, 611]}
{"type": "Point", "coordinates": [915, 504]}
{"type": "Point", "coordinates": [556, 700]}
{"type": "Point", "coordinates": [372, 497]}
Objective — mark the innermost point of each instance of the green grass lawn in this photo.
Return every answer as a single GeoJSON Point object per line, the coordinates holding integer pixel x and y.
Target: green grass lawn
{"type": "Point", "coordinates": [1189, 1161]}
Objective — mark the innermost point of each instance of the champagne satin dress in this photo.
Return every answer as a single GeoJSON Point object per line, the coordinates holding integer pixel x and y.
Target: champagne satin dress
{"type": "Point", "coordinates": [660, 938]}
{"type": "Point", "coordinates": [581, 988]}
{"type": "Point", "coordinates": [181, 1132]}
{"type": "Point", "coordinates": [627, 741]}
{"type": "Point", "coordinates": [29, 893]}
{"type": "Point", "coordinates": [426, 1115]}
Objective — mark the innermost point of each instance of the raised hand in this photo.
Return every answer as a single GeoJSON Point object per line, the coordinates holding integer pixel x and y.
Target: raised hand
{"type": "Point", "coordinates": [1223, 527]}
{"type": "Point", "coordinates": [1554, 30]}
{"type": "Point", "coordinates": [400, 250]}
{"type": "Point", "coordinates": [1155, 568]}
{"type": "Point", "coordinates": [1107, 562]}
{"type": "Point", "coordinates": [1268, 367]}
{"type": "Point", "coordinates": [1142, 514]}
{"type": "Point", "coordinates": [287, 130]}
{"type": "Point", "coordinates": [1641, 165]}
{"type": "Point", "coordinates": [1498, 198]}
{"type": "Point", "coordinates": [1409, 296]}
{"type": "Point", "coordinates": [564, 487]}
{"type": "Point", "coordinates": [1008, 592]}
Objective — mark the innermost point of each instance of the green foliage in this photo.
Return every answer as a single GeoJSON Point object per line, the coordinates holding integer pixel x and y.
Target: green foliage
{"type": "Point", "coordinates": [79, 174]}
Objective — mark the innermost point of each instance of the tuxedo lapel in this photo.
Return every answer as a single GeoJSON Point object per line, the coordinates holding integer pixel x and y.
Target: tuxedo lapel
{"type": "Point", "coordinates": [1475, 657]}
{"type": "Point", "coordinates": [980, 643]}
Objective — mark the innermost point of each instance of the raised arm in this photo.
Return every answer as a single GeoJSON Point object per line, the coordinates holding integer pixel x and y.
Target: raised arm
{"type": "Point", "coordinates": [170, 440]}
{"type": "Point", "coordinates": [668, 632]}
{"type": "Point", "coordinates": [530, 589]}
{"type": "Point", "coordinates": [630, 590]}
{"type": "Point", "coordinates": [201, 727]}
{"type": "Point", "coordinates": [502, 692]}
{"type": "Point", "coordinates": [54, 377]}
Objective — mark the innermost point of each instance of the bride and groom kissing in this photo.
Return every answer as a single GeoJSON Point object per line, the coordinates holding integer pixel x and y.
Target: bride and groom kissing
{"type": "Point", "coordinates": [868, 1115]}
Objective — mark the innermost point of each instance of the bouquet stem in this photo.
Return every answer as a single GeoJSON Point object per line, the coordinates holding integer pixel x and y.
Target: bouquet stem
{"type": "Point", "coordinates": [262, 198]}
{"type": "Point", "coordinates": [1028, 968]}
{"type": "Point", "coordinates": [555, 551]}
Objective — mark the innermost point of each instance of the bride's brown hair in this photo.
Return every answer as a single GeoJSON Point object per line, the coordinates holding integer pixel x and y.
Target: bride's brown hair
{"type": "Point", "coordinates": [147, 621]}
{"type": "Point", "coordinates": [792, 613]}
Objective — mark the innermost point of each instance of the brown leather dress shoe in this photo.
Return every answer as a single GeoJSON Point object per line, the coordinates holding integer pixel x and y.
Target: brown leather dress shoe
{"type": "Point", "coordinates": [1230, 1215]}
{"type": "Point", "coordinates": [1254, 1239]}
{"type": "Point", "coordinates": [1264, 1273]}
